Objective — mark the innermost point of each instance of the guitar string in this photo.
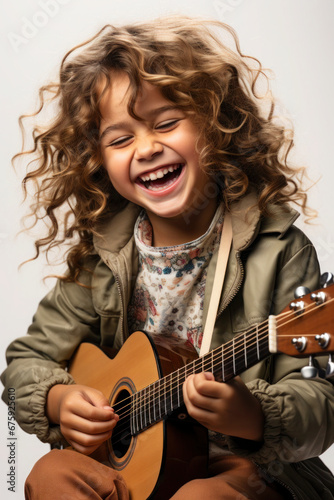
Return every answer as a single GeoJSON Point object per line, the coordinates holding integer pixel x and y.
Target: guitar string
{"type": "Point", "coordinates": [143, 408]}
{"type": "Point", "coordinates": [240, 339]}
{"type": "Point", "coordinates": [199, 361]}
{"type": "Point", "coordinates": [118, 428]}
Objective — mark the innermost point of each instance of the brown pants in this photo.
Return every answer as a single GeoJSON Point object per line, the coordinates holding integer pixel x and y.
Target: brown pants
{"type": "Point", "coordinates": [69, 475]}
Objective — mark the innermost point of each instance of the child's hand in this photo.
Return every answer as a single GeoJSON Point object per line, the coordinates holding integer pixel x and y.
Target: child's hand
{"type": "Point", "coordinates": [85, 417]}
{"type": "Point", "coordinates": [228, 408]}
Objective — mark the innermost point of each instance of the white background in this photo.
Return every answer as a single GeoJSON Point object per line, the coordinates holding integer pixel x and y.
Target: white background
{"type": "Point", "coordinates": [292, 37]}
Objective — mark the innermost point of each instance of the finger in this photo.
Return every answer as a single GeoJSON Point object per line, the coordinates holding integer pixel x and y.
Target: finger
{"type": "Point", "coordinates": [88, 426]}
{"type": "Point", "coordinates": [85, 408]}
{"type": "Point", "coordinates": [193, 400]}
{"type": "Point", "coordinates": [87, 440]}
{"type": "Point", "coordinates": [96, 398]}
{"type": "Point", "coordinates": [204, 384]}
{"type": "Point", "coordinates": [202, 415]}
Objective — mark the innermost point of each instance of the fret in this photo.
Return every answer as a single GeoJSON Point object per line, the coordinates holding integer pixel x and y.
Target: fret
{"type": "Point", "coordinates": [141, 409]}
{"type": "Point", "coordinates": [245, 349]}
{"type": "Point", "coordinates": [159, 399]}
{"type": "Point", "coordinates": [180, 393]}
{"type": "Point", "coordinates": [132, 415]}
{"type": "Point", "coordinates": [223, 364]}
{"type": "Point", "coordinates": [175, 391]}
{"type": "Point", "coordinates": [233, 356]}
{"type": "Point", "coordinates": [181, 379]}
{"type": "Point", "coordinates": [178, 388]}
{"type": "Point", "coordinates": [137, 416]}
{"type": "Point", "coordinates": [165, 398]}
{"type": "Point", "coordinates": [212, 362]}
{"type": "Point", "coordinates": [257, 342]}
{"type": "Point", "coordinates": [144, 407]}
{"type": "Point", "coordinates": [168, 393]}
{"type": "Point", "coordinates": [171, 391]}
{"type": "Point", "coordinates": [149, 405]}
{"type": "Point", "coordinates": [154, 401]}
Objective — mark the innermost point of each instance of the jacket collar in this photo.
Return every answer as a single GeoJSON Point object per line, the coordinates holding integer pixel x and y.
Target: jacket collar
{"type": "Point", "coordinates": [116, 232]}
{"type": "Point", "coordinates": [247, 223]}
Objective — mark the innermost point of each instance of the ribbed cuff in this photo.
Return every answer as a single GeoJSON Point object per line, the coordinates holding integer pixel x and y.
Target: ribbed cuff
{"type": "Point", "coordinates": [41, 426]}
{"type": "Point", "coordinates": [267, 450]}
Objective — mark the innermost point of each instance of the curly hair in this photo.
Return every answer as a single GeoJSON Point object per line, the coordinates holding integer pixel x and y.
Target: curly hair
{"type": "Point", "coordinates": [246, 147]}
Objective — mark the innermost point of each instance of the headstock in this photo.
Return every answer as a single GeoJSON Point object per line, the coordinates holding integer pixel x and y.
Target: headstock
{"type": "Point", "coordinates": [305, 328]}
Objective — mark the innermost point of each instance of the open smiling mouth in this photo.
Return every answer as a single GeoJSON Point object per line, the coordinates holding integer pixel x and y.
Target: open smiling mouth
{"type": "Point", "coordinates": [162, 178]}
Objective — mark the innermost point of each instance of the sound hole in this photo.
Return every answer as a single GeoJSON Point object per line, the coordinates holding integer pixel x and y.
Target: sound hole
{"type": "Point", "coordinates": [121, 437]}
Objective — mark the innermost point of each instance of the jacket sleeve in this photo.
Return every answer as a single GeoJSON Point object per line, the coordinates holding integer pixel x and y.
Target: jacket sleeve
{"type": "Point", "coordinates": [298, 413]}
{"type": "Point", "coordinates": [64, 318]}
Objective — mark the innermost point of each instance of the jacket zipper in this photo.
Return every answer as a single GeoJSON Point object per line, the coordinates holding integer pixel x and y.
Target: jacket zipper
{"type": "Point", "coordinates": [236, 286]}
{"type": "Point", "coordinates": [242, 272]}
{"type": "Point", "coordinates": [119, 288]}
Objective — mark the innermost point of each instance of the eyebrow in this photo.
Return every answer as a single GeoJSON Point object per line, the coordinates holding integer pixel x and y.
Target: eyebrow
{"type": "Point", "coordinates": [151, 114]}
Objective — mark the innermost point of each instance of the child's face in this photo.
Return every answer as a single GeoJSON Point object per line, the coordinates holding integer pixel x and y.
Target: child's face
{"type": "Point", "coordinates": [153, 162]}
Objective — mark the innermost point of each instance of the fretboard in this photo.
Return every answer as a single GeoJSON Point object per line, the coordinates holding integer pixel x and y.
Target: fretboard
{"type": "Point", "coordinates": [163, 397]}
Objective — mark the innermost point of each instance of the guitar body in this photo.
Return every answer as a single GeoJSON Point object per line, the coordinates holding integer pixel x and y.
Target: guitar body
{"type": "Point", "coordinates": [158, 460]}
{"type": "Point", "coordinates": [155, 445]}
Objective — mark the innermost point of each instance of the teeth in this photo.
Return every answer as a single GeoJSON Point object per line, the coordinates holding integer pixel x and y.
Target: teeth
{"type": "Point", "coordinates": [159, 174]}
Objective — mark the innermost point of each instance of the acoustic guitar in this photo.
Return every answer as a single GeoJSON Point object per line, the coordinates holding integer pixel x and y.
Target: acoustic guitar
{"type": "Point", "coordinates": [155, 445]}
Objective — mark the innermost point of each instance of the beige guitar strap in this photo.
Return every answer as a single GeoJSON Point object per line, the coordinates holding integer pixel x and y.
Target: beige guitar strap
{"type": "Point", "coordinates": [223, 254]}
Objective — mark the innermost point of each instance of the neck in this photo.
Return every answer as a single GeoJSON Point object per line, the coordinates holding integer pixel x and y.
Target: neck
{"type": "Point", "coordinates": [164, 396]}
{"type": "Point", "coordinates": [183, 228]}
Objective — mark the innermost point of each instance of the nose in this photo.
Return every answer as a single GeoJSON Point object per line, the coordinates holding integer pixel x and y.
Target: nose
{"type": "Point", "coordinates": [147, 147]}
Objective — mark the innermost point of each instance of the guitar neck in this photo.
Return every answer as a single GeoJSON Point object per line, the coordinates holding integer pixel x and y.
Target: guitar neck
{"type": "Point", "coordinates": [160, 399]}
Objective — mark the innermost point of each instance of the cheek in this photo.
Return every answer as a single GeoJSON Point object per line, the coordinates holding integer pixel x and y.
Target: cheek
{"type": "Point", "coordinates": [115, 168]}
{"type": "Point", "coordinates": [187, 146]}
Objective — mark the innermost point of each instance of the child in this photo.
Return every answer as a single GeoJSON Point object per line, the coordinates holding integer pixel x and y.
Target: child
{"type": "Point", "coordinates": [159, 134]}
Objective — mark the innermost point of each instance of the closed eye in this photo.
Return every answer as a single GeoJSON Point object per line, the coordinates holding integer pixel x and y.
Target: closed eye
{"type": "Point", "coordinates": [163, 126]}
{"type": "Point", "coordinates": [167, 124]}
{"type": "Point", "coordinates": [120, 141]}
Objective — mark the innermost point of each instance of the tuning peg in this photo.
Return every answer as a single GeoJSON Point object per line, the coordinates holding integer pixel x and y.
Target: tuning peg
{"type": "Point", "coordinates": [323, 339]}
{"type": "Point", "coordinates": [301, 291]}
{"type": "Point", "coordinates": [310, 371]}
{"type": "Point", "coordinates": [313, 369]}
{"type": "Point", "coordinates": [330, 367]}
{"type": "Point", "coordinates": [326, 279]}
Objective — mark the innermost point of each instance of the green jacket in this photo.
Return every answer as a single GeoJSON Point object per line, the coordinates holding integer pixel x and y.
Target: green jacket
{"type": "Point", "coordinates": [269, 258]}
